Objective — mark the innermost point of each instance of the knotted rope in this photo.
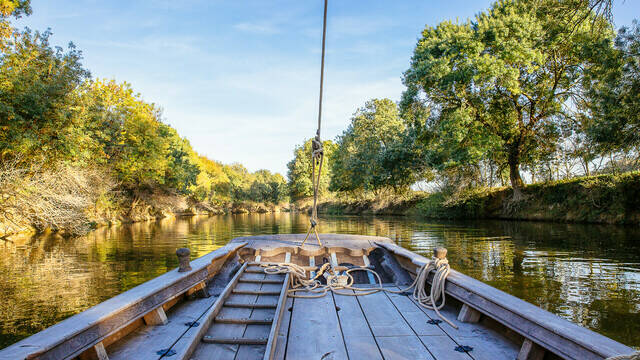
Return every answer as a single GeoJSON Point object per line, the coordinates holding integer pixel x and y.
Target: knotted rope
{"type": "Point", "coordinates": [317, 158]}
{"type": "Point", "coordinates": [427, 298]}
{"type": "Point", "coordinates": [317, 155]}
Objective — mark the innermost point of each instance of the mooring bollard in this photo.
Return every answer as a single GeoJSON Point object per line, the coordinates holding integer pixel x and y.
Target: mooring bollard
{"type": "Point", "coordinates": [183, 256]}
{"type": "Point", "coordinates": [440, 253]}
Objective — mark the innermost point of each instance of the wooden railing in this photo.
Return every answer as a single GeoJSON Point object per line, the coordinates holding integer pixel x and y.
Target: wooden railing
{"type": "Point", "coordinates": [111, 318]}
{"type": "Point", "coordinates": [539, 327]}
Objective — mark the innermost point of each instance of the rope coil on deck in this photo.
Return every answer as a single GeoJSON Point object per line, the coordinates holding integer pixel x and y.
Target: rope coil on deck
{"type": "Point", "coordinates": [427, 298]}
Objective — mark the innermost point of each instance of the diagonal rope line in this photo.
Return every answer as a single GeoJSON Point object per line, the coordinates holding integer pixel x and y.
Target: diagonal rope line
{"type": "Point", "coordinates": [317, 155]}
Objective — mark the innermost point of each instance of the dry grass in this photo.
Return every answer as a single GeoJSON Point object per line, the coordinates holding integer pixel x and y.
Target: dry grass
{"type": "Point", "coordinates": [49, 198]}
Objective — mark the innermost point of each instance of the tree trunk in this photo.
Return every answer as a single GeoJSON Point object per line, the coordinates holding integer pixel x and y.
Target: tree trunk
{"type": "Point", "coordinates": [514, 174]}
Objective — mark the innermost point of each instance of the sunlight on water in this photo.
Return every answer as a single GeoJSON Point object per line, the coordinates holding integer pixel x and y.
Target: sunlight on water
{"type": "Point", "coordinates": [588, 274]}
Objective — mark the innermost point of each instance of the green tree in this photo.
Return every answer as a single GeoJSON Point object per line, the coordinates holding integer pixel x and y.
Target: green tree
{"type": "Point", "coordinates": [11, 8]}
{"type": "Point", "coordinates": [366, 151]}
{"type": "Point", "coordinates": [614, 94]}
{"type": "Point", "coordinates": [182, 169]}
{"type": "Point", "coordinates": [38, 97]}
{"type": "Point", "coordinates": [498, 84]}
{"type": "Point", "coordinates": [267, 187]}
{"type": "Point", "coordinates": [299, 170]}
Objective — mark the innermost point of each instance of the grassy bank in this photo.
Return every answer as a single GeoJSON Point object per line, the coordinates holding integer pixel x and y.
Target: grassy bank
{"type": "Point", "coordinates": [73, 200]}
{"type": "Point", "coordinates": [612, 199]}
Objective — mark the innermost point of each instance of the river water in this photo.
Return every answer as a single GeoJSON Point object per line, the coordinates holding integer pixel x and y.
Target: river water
{"type": "Point", "coordinates": [588, 274]}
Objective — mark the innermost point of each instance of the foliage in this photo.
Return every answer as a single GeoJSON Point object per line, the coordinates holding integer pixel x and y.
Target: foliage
{"type": "Point", "coordinates": [38, 94]}
{"type": "Point", "coordinates": [369, 153]}
{"type": "Point", "coordinates": [56, 121]}
{"type": "Point", "coordinates": [602, 199]}
{"type": "Point", "coordinates": [497, 85]}
{"type": "Point", "coordinates": [614, 94]}
{"type": "Point", "coordinates": [299, 170]}
{"type": "Point", "coordinates": [11, 8]}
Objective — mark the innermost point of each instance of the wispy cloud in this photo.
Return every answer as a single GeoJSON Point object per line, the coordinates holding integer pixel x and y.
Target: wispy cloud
{"type": "Point", "coordinates": [257, 28]}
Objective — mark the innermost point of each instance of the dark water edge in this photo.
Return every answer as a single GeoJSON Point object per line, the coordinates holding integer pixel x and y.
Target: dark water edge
{"type": "Point", "coordinates": [588, 274]}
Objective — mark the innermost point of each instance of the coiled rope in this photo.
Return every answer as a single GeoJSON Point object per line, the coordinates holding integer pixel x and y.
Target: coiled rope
{"type": "Point", "coordinates": [425, 296]}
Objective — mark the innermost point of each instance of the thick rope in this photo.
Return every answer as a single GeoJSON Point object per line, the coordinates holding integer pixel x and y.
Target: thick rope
{"type": "Point", "coordinates": [427, 299]}
{"type": "Point", "coordinates": [317, 155]}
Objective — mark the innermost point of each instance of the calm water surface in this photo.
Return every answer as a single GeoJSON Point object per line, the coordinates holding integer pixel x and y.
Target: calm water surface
{"type": "Point", "coordinates": [588, 274]}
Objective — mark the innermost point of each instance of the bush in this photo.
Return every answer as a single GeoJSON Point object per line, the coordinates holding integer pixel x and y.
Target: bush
{"type": "Point", "coordinates": [56, 198]}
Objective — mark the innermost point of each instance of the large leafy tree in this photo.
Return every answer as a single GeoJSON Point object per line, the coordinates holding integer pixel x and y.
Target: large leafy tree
{"type": "Point", "coordinates": [38, 97]}
{"type": "Point", "coordinates": [371, 141]}
{"type": "Point", "coordinates": [498, 84]}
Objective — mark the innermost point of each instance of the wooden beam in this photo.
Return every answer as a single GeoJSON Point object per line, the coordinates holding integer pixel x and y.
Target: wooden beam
{"type": "Point", "coordinates": [273, 333]}
{"type": "Point", "coordinates": [199, 289]}
{"type": "Point", "coordinates": [96, 352]}
{"type": "Point", "coordinates": [156, 317]}
{"type": "Point", "coordinates": [468, 314]}
{"type": "Point", "coordinates": [530, 351]}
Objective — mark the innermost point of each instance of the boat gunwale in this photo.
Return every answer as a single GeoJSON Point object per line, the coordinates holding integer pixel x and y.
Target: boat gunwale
{"type": "Point", "coordinates": [77, 329]}
{"type": "Point", "coordinates": [567, 340]}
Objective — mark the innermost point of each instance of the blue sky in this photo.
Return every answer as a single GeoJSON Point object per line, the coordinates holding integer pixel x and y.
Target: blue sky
{"type": "Point", "coordinates": [239, 79]}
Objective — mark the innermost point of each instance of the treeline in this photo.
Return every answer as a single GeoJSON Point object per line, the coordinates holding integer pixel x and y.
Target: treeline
{"type": "Point", "coordinates": [527, 90]}
{"type": "Point", "coordinates": [54, 117]}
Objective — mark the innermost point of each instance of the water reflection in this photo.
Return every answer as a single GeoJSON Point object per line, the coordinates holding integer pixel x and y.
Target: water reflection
{"type": "Point", "coordinates": [588, 274]}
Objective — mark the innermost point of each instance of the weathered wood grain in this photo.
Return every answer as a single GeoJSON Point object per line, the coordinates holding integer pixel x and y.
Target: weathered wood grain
{"type": "Point", "coordinates": [382, 316]}
{"type": "Point", "coordinates": [403, 348]}
{"type": "Point", "coordinates": [97, 352]}
{"type": "Point", "coordinates": [283, 331]}
{"type": "Point", "coordinates": [144, 342]}
{"type": "Point", "coordinates": [279, 313]}
{"type": "Point", "coordinates": [156, 316]}
{"type": "Point", "coordinates": [273, 245]}
{"type": "Point", "coordinates": [468, 314]}
{"type": "Point", "coordinates": [358, 338]}
{"type": "Point", "coordinates": [549, 331]}
{"type": "Point", "coordinates": [315, 332]}
{"type": "Point", "coordinates": [82, 331]}
{"type": "Point", "coordinates": [530, 351]}
{"type": "Point", "coordinates": [186, 345]}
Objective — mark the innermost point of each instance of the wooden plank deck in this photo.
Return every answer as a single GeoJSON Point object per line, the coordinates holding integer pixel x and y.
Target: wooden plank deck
{"type": "Point", "coordinates": [380, 326]}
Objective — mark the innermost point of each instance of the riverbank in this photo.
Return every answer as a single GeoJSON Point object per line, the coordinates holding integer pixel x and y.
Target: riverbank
{"type": "Point", "coordinates": [607, 199]}
{"type": "Point", "coordinates": [72, 200]}
{"type": "Point", "coordinates": [131, 207]}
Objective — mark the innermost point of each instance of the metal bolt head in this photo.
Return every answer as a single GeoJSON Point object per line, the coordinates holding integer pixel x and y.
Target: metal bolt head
{"type": "Point", "coordinates": [440, 253]}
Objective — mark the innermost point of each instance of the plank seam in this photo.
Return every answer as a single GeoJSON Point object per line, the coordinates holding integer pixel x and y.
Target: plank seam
{"type": "Point", "coordinates": [408, 324]}
{"type": "Point", "coordinates": [340, 324]}
{"type": "Point", "coordinates": [369, 325]}
{"type": "Point", "coordinates": [438, 325]}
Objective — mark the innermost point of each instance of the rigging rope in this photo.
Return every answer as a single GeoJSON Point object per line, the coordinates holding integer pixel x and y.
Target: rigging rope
{"type": "Point", "coordinates": [422, 294]}
{"type": "Point", "coordinates": [317, 155]}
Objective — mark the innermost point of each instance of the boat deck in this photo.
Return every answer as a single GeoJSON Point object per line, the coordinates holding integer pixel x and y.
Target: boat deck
{"type": "Point", "coordinates": [377, 326]}
{"type": "Point", "coordinates": [224, 306]}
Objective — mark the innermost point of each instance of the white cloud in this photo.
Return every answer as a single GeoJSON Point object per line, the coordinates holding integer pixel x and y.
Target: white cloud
{"type": "Point", "coordinates": [257, 28]}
